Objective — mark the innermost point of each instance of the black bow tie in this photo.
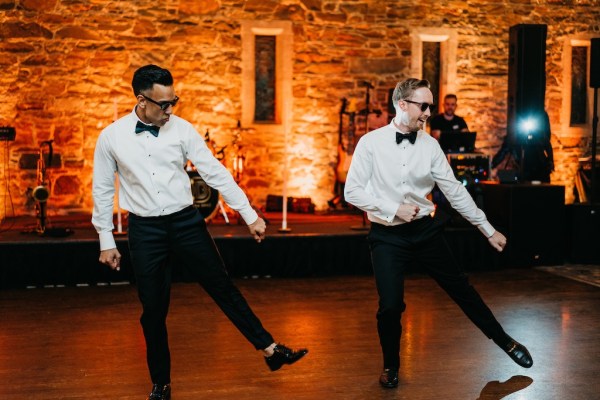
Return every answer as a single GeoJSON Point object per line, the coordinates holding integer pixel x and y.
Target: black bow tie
{"type": "Point", "coordinates": [411, 137]}
{"type": "Point", "coordinates": [141, 127]}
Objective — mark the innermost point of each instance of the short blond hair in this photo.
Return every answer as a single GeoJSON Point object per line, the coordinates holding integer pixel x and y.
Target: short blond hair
{"type": "Point", "coordinates": [406, 88]}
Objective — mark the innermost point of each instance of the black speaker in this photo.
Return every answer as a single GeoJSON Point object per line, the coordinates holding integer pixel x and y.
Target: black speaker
{"type": "Point", "coordinates": [595, 64]}
{"type": "Point", "coordinates": [584, 233]}
{"type": "Point", "coordinates": [532, 217]}
{"type": "Point", "coordinates": [526, 73]}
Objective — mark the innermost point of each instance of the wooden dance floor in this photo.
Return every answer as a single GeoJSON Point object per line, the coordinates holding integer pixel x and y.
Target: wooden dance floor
{"type": "Point", "coordinates": [86, 342]}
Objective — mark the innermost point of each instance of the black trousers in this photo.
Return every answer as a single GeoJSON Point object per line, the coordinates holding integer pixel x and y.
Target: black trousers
{"type": "Point", "coordinates": [393, 249]}
{"type": "Point", "coordinates": [152, 242]}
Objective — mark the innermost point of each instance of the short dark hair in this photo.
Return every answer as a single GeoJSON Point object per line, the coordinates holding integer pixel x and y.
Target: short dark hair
{"type": "Point", "coordinates": [406, 88]}
{"type": "Point", "coordinates": [145, 77]}
{"type": "Point", "coordinates": [450, 96]}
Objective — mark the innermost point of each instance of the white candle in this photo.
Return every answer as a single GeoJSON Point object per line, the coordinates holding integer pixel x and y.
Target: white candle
{"type": "Point", "coordinates": [119, 225]}
{"type": "Point", "coordinates": [284, 216]}
{"type": "Point", "coordinates": [284, 227]}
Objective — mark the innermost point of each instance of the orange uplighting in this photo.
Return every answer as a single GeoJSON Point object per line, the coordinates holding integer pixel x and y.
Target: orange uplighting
{"type": "Point", "coordinates": [565, 319]}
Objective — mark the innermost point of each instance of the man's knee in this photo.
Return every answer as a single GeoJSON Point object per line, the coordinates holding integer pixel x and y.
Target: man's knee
{"type": "Point", "coordinates": [391, 310]}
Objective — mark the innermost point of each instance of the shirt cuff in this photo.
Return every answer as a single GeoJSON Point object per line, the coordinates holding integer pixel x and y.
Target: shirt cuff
{"type": "Point", "coordinates": [248, 215]}
{"type": "Point", "coordinates": [487, 229]}
{"type": "Point", "coordinates": [107, 241]}
{"type": "Point", "coordinates": [388, 213]}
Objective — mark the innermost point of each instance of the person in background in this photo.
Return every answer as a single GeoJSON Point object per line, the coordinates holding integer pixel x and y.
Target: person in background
{"type": "Point", "coordinates": [447, 121]}
{"type": "Point", "coordinates": [393, 170]}
{"type": "Point", "coordinates": [148, 149]}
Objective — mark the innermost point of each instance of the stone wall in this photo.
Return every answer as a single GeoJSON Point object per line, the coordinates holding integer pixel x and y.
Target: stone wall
{"type": "Point", "coordinates": [67, 67]}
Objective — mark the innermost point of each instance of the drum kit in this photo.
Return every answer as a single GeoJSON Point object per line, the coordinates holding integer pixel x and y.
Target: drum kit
{"type": "Point", "coordinates": [207, 199]}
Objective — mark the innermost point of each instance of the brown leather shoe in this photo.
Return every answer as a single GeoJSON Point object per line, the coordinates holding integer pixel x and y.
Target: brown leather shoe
{"type": "Point", "coordinates": [283, 355]}
{"type": "Point", "coordinates": [160, 392]}
{"type": "Point", "coordinates": [389, 378]}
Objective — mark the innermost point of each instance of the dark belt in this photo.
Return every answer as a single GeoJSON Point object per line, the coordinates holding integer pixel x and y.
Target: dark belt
{"type": "Point", "coordinates": [159, 217]}
{"type": "Point", "coordinates": [404, 226]}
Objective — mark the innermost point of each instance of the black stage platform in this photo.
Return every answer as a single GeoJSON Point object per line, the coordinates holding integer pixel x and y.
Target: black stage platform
{"type": "Point", "coordinates": [325, 244]}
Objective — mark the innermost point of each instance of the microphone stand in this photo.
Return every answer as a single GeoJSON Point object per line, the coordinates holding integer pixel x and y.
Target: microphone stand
{"type": "Point", "coordinates": [366, 112]}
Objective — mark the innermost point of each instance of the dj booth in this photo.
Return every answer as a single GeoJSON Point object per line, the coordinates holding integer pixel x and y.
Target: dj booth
{"type": "Point", "coordinates": [532, 216]}
{"type": "Point", "coordinates": [468, 165]}
{"type": "Point", "coordinates": [470, 168]}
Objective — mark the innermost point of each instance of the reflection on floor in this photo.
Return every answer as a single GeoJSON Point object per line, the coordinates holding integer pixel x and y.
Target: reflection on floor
{"type": "Point", "coordinates": [589, 274]}
{"type": "Point", "coordinates": [86, 342]}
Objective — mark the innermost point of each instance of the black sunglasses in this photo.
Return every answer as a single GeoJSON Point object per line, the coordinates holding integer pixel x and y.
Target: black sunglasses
{"type": "Point", "coordinates": [423, 106]}
{"type": "Point", "coordinates": [163, 104]}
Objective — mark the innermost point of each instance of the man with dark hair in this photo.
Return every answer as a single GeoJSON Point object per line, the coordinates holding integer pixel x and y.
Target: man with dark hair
{"type": "Point", "coordinates": [448, 121]}
{"type": "Point", "coordinates": [393, 170]}
{"type": "Point", "coordinates": [148, 149]}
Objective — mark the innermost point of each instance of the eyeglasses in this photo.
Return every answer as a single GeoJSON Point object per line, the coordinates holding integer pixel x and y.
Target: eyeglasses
{"type": "Point", "coordinates": [422, 106]}
{"type": "Point", "coordinates": [163, 104]}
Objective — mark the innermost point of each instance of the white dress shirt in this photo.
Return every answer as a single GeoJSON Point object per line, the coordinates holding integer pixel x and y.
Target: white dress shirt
{"type": "Point", "coordinates": [152, 178]}
{"type": "Point", "coordinates": [384, 175]}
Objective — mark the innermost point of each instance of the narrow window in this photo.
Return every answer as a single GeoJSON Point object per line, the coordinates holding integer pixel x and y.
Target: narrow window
{"type": "Point", "coordinates": [264, 75]}
{"type": "Point", "coordinates": [434, 58]}
{"type": "Point", "coordinates": [579, 85]}
{"type": "Point", "coordinates": [267, 69]}
{"type": "Point", "coordinates": [431, 69]}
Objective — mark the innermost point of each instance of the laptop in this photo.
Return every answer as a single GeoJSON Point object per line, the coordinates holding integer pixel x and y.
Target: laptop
{"type": "Point", "coordinates": [508, 175]}
{"type": "Point", "coordinates": [458, 142]}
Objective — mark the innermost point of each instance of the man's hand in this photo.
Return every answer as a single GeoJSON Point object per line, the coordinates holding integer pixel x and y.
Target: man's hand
{"type": "Point", "coordinates": [498, 241]}
{"type": "Point", "coordinates": [112, 258]}
{"type": "Point", "coordinates": [257, 229]}
{"type": "Point", "coordinates": [407, 212]}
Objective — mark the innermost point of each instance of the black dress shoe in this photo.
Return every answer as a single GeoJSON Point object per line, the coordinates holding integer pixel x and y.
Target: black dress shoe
{"type": "Point", "coordinates": [160, 392]}
{"type": "Point", "coordinates": [389, 378]}
{"type": "Point", "coordinates": [283, 355]}
{"type": "Point", "coordinates": [518, 353]}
